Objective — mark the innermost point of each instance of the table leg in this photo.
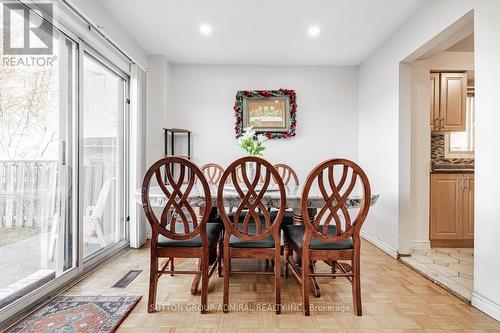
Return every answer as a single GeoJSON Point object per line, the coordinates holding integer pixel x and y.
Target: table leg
{"type": "Point", "coordinates": [297, 215]}
{"type": "Point", "coordinates": [299, 220]}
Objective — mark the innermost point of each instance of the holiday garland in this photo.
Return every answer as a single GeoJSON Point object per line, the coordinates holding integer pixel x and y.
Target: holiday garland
{"type": "Point", "coordinates": [238, 110]}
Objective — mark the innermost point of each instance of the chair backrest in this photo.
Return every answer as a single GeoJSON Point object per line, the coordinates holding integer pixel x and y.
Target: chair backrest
{"type": "Point", "coordinates": [212, 172]}
{"type": "Point", "coordinates": [287, 174]}
{"type": "Point", "coordinates": [251, 192]}
{"type": "Point", "coordinates": [336, 179]}
{"type": "Point", "coordinates": [177, 186]}
{"type": "Point", "coordinates": [239, 176]}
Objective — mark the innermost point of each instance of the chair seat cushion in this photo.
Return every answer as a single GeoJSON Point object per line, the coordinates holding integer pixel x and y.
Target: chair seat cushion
{"type": "Point", "coordinates": [287, 217]}
{"type": "Point", "coordinates": [242, 216]}
{"type": "Point", "coordinates": [213, 232]}
{"type": "Point", "coordinates": [295, 234]}
{"type": "Point", "coordinates": [234, 241]}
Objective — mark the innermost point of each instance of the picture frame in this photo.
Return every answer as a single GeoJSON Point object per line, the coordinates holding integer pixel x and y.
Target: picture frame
{"type": "Point", "coordinates": [269, 112]}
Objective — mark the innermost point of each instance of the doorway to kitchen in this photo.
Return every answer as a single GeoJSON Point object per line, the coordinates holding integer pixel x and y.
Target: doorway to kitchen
{"type": "Point", "coordinates": [438, 237]}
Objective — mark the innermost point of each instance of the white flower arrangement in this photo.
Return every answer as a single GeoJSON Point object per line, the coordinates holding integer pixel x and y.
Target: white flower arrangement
{"type": "Point", "coordinates": [251, 143]}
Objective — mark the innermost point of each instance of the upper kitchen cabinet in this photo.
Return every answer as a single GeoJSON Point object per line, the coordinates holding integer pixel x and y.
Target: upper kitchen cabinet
{"type": "Point", "coordinates": [435, 101]}
{"type": "Point", "coordinates": [448, 102]}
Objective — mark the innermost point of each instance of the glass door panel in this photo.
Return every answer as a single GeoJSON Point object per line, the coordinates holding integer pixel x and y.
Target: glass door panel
{"type": "Point", "coordinates": [37, 104]}
{"type": "Point", "coordinates": [103, 156]}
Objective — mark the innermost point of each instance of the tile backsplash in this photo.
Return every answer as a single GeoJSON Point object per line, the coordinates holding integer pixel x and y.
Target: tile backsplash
{"type": "Point", "coordinates": [438, 160]}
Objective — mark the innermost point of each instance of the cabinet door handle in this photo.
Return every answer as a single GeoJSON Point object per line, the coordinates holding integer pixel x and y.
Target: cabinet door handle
{"type": "Point", "coordinates": [442, 123]}
{"type": "Point", "coordinates": [467, 184]}
{"type": "Point", "coordinates": [461, 184]}
{"type": "Point", "coordinates": [436, 123]}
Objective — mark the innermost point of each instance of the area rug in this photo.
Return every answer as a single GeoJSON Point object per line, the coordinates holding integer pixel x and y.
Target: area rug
{"type": "Point", "coordinates": [89, 314]}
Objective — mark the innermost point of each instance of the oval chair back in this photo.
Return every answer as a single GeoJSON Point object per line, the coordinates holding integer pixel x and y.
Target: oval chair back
{"type": "Point", "coordinates": [251, 220]}
{"type": "Point", "coordinates": [336, 180]}
{"type": "Point", "coordinates": [177, 178]}
{"type": "Point", "coordinates": [212, 172]}
{"type": "Point", "coordinates": [333, 233]}
{"type": "Point", "coordinates": [239, 175]}
{"type": "Point", "coordinates": [287, 174]}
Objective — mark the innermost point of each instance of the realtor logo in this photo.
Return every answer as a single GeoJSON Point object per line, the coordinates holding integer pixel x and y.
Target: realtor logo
{"type": "Point", "coordinates": [36, 36]}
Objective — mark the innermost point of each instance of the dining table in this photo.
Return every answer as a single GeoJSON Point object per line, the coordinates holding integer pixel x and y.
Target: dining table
{"type": "Point", "coordinates": [271, 199]}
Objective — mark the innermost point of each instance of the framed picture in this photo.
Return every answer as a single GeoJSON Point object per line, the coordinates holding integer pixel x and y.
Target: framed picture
{"type": "Point", "coordinates": [270, 112]}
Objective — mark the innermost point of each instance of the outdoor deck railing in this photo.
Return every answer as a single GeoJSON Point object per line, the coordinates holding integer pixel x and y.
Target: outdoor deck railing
{"type": "Point", "coordinates": [33, 192]}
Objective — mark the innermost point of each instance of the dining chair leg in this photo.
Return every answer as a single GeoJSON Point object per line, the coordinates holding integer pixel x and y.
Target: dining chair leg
{"type": "Point", "coordinates": [277, 279]}
{"type": "Point", "coordinates": [356, 284]}
{"type": "Point", "coordinates": [204, 284]}
{"type": "Point", "coordinates": [226, 267]}
{"type": "Point", "coordinates": [153, 283]}
{"type": "Point", "coordinates": [172, 267]}
{"type": "Point", "coordinates": [196, 279]}
{"type": "Point", "coordinates": [305, 282]}
{"type": "Point", "coordinates": [220, 256]}
{"type": "Point", "coordinates": [334, 268]}
{"type": "Point", "coordinates": [317, 289]}
{"type": "Point", "coordinates": [286, 252]}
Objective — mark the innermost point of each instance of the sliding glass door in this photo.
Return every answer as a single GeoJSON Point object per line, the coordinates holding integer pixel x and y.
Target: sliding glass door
{"type": "Point", "coordinates": [104, 151]}
{"type": "Point", "coordinates": [63, 152]}
{"type": "Point", "coordinates": [38, 228]}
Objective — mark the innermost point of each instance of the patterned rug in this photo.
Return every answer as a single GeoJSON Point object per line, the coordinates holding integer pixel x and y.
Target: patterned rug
{"type": "Point", "coordinates": [89, 314]}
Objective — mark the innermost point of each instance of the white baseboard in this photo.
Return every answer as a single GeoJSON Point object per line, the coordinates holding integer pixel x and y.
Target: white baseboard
{"type": "Point", "coordinates": [380, 244]}
{"type": "Point", "coordinates": [486, 305]}
{"type": "Point", "coordinates": [420, 244]}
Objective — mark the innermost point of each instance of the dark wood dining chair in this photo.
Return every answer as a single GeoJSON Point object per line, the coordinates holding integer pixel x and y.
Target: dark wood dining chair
{"type": "Point", "coordinates": [256, 235]}
{"type": "Point", "coordinates": [179, 232]}
{"type": "Point", "coordinates": [288, 175]}
{"type": "Point", "coordinates": [212, 173]}
{"type": "Point", "coordinates": [239, 176]}
{"type": "Point", "coordinates": [333, 234]}
{"type": "Point", "coordinates": [291, 181]}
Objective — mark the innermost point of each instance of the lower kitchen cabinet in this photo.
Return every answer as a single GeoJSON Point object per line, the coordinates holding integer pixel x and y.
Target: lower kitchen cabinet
{"type": "Point", "coordinates": [452, 210]}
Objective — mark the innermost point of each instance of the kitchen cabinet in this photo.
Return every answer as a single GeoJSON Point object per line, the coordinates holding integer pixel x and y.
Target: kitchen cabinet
{"type": "Point", "coordinates": [435, 77]}
{"type": "Point", "coordinates": [448, 102]}
{"type": "Point", "coordinates": [452, 210]}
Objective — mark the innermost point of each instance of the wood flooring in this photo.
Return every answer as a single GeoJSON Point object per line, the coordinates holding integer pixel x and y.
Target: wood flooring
{"type": "Point", "coordinates": [395, 299]}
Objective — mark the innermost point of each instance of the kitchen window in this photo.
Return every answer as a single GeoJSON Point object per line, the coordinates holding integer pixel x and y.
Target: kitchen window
{"type": "Point", "coordinates": [461, 144]}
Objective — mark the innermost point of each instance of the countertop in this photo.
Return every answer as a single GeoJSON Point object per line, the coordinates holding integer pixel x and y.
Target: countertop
{"type": "Point", "coordinates": [452, 171]}
{"type": "Point", "coordinates": [452, 168]}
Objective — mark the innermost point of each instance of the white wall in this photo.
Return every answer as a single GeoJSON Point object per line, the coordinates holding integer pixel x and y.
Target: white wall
{"type": "Point", "coordinates": [486, 294]}
{"type": "Point", "coordinates": [379, 117]}
{"type": "Point", "coordinates": [379, 131]}
{"type": "Point", "coordinates": [420, 154]}
{"type": "Point", "coordinates": [203, 99]}
{"type": "Point", "coordinates": [158, 93]}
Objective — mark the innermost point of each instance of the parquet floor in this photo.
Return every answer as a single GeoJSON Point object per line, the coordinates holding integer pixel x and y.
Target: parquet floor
{"type": "Point", "coordinates": [395, 299]}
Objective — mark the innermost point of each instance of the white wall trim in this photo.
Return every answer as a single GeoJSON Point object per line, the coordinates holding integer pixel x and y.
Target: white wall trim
{"type": "Point", "coordinates": [420, 244]}
{"type": "Point", "coordinates": [486, 305]}
{"type": "Point", "coordinates": [387, 248]}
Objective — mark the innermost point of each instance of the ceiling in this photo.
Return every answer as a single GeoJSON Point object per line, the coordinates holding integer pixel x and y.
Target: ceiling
{"type": "Point", "coordinates": [263, 32]}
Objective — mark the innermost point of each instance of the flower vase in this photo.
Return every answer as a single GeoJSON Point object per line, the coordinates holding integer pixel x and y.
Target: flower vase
{"type": "Point", "coordinates": [251, 171]}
